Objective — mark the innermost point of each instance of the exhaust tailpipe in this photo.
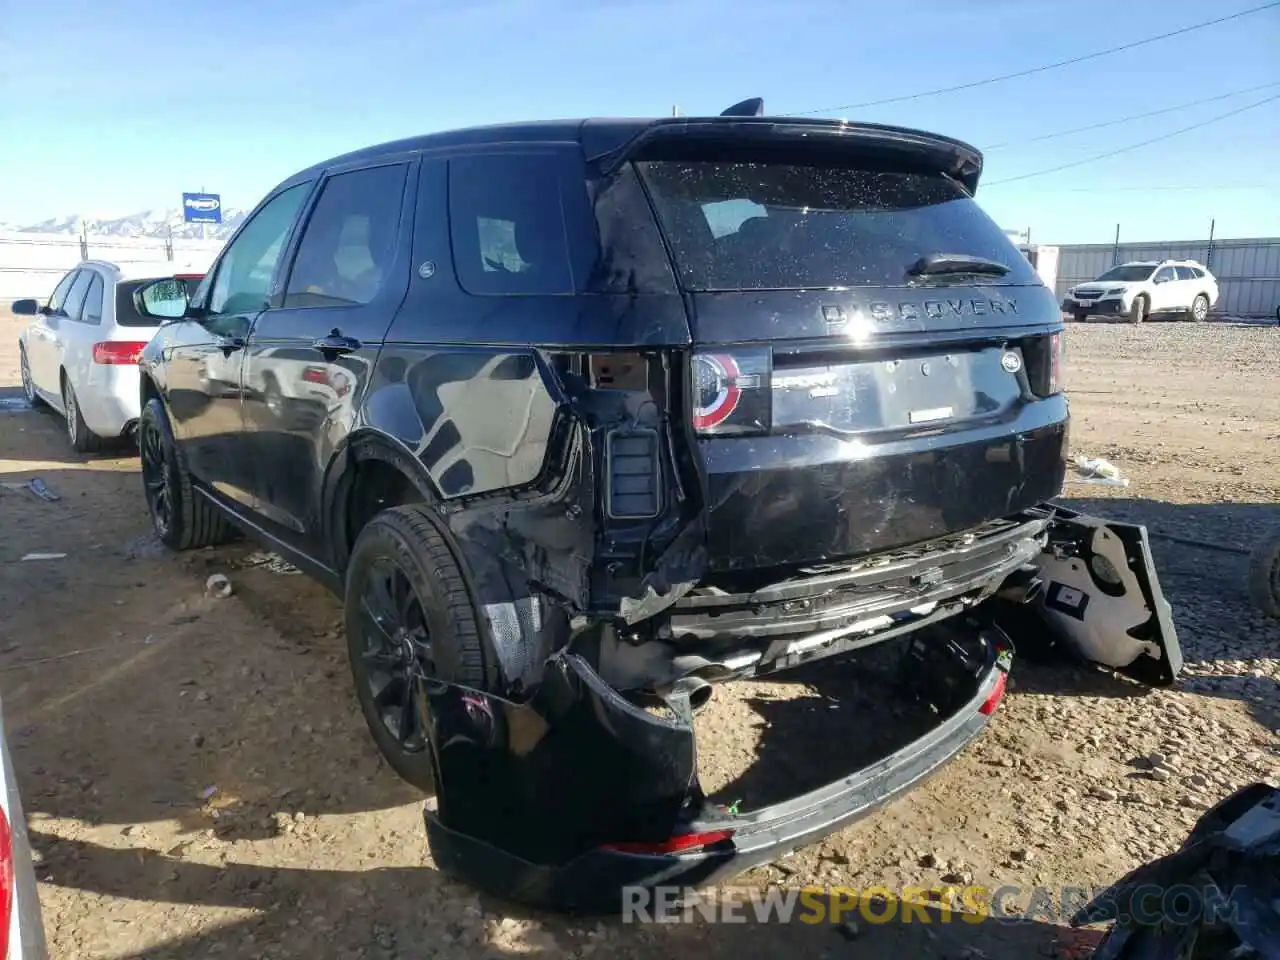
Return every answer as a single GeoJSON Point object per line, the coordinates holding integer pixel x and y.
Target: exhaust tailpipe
{"type": "Point", "coordinates": [697, 690]}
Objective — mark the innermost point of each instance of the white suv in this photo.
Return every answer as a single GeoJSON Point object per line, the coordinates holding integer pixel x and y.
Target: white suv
{"type": "Point", "coordinates": [1146, 288]}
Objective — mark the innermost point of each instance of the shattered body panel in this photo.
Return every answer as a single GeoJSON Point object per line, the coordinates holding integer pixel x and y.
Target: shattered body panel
{"type": "Point", "coordinates": [507, 821]}
{"type": "Point", "coordinates": [510, 822]}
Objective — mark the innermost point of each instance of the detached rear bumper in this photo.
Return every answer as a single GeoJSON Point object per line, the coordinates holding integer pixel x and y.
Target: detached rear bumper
{"type": "Point", "coordinates": [502, 838]}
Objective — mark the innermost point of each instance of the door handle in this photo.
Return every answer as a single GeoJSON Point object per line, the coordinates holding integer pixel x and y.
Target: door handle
{"type": "Point", "coordinates": [335, 344]}
{"type": "Point", "coordinates": [228, 345]}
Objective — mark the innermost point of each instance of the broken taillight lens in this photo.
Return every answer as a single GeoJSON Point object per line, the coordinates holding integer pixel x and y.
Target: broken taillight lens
{"type": "Point", "coordinates": [730, 391]}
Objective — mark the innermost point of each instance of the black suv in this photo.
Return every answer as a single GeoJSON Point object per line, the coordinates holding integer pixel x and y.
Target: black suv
{"type": "Point", "coordinates": [583, 417]}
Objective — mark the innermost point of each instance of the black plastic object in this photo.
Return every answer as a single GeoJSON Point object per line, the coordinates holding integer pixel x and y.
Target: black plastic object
{"type": "Point", "coordinates": [1220, 892]}
{"type": "Point", "coordinates": [751, 107]}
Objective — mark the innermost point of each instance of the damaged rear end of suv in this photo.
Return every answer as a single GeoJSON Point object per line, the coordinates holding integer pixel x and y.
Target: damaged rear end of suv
{"type": "Point", "coordinates": [856, 441]}
{"type": "Point", "coordinates": [645, 408]}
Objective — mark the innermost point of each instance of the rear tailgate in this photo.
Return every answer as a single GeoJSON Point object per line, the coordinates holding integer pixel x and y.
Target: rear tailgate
{"type": "Point", "coordinates": [840, 404]}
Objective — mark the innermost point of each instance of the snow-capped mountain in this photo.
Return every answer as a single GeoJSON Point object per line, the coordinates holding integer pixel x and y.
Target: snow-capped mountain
{"type": "Point", "coordinates": [149, 223]}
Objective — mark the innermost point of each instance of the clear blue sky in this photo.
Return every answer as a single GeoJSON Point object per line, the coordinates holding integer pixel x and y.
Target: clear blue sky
{"type": "Point", "coordinates": [109, 109]}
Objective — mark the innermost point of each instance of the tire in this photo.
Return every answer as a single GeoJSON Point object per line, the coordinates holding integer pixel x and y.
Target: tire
{"type": "Point", "coordinates": [183, 520]}
{"type": "Point", "coordinates": [28, 384]}
{"type": "Point", "coordinates": [1138, 311]}
{"type": "Point", "coordinates": [1199, 311]}
{"type": "Point", "coordinates": [83, 440]}
{"type": "Point", "coordinates": [435, 632]}
{"type": "Point", "coordinates": [1264, 575]}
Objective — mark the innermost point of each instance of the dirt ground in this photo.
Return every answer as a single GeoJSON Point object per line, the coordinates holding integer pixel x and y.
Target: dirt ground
{"type": "Point", "coordinates": [199, 781]}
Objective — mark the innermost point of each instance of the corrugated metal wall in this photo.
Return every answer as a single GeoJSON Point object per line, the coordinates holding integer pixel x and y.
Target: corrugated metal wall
{"type": "Point", "coordinates": [1248, 271]}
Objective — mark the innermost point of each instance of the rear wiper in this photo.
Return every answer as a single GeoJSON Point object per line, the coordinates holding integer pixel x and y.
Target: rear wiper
{"type": "Point", "coordinates": [943, 264]}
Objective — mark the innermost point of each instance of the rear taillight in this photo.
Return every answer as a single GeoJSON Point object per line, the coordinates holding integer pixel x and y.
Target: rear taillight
{"type": "Point", "coordinates": [1055, 363]}
{"type": "Point", "coordinates": [315, 374]}
{"type": "Point", "coordinates": [118, 352]}
{"type": "Point", "coordinates": [6, 881]}
{"type": "Point", "coordinates": [730, 391]}
{"type": "Point", "coordinates": [1044, 356]}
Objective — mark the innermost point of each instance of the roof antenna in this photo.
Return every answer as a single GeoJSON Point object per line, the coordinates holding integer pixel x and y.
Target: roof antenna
{"type": "Point", "coordinates": [754, 107]}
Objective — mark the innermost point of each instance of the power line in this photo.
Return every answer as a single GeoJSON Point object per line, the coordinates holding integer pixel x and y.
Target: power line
{"type": "Point", "coordinates": [1136, 116]}
{"type": "Point", "coordinates": [1187, 186]}
{"type": "Point", "coordinates": [1041, 69]}
{"type": "Point", "coordinates": [1135, 146]}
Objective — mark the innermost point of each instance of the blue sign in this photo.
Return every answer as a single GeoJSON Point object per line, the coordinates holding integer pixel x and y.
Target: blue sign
{"type": "Point", "coordinates": [201, 208]}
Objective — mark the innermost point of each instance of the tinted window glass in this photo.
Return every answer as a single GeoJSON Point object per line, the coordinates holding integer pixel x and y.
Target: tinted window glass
{"type": "Point", "coordinates": [92, 312]}
{"type": "Point", "coordinates": [507, 222]}
{"type": "Point", "coordinates": [1164, 274]}
{"type": "Point", "coordinates": [75, 297]}
{"type": "Point", "coordinates": [59, 296]}
{"type": "Point", "coordinates": [245, 270]}
{"type": "Point", "coordinates": [747, 225]}
{"type": "Point", "coordinates": [1131, 273]}
{"type": "Point", "coordinates": [350, 239]}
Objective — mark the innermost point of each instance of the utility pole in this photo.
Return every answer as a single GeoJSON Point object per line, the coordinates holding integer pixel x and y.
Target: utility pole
{"type": "Point", "coordinates": [675, 110]}
{"type": "Point", "coordinates": [1208, 257]}
{"type": "Point", "coordinates": [1115, 248]}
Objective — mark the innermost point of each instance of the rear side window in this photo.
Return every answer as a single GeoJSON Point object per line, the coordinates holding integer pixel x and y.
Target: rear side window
{"type": "Point", "coordinates": [349, 242]}
{"type": "Point", "coordinates": [507, 224]}
{"type": "Point", "coordinates": [75, 297]}
{"type": "Point", "coordinates": [92, 312]}
{"type": "Point", "coordinates": [760, 226]}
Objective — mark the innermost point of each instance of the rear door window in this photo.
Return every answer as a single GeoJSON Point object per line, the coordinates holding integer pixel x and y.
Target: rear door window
{"type": "Point", "coordinates": [507, 224]}
{"type": "Point", "coordinates": [76, 295]}
{"type": "Point", "coordinates": [92, 312]}
{"type": "Point", "coordinates": [349, 241]}
{"type": "Point", "coordinates": [761, 226]}
{"type": "Point", "coordinates": [59, 296]}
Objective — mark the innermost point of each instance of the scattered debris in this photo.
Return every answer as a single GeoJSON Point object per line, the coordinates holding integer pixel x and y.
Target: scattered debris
{"type": "Point", "coordinates": [45, 556]}
{"type": "Point", "coordinates": [208, 792]}
{"type": "Point", "coordinates": [42, 490]}
{"type": "Point", "coordinates": [217, 587]}
{"type": "Point", "coordinates": [270, 561]}
{"type": "Point", "coordinates": [1096, 470]}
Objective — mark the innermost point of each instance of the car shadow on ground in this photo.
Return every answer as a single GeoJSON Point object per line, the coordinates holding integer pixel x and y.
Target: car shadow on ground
{"type": "Point", "coordinates": [415, 911]}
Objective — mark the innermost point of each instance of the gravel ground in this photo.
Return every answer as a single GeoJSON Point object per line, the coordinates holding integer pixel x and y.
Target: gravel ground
{"type": "Point", "coordinates": [199, 781]}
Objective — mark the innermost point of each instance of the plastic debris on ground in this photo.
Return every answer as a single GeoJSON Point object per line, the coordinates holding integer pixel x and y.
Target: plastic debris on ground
{"type": "Point", "coordinates": [1098, 471]}
{"type": "Point", "coordinates": [44, 556]}
{"type": "Point", "coordinates": [270, 561]}
{"type": "Point", "coordinates": [217, 587]}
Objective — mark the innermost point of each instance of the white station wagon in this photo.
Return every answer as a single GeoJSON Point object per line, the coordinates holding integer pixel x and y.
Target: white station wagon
{"type": "Point", "coordinates": [1146, 288]}
{"type": "Point", "coordinates": [80, 352]}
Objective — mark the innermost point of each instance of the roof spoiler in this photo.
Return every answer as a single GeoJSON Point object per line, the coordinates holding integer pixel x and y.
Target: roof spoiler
{"type": "Point", "coordinates": [746, 121]}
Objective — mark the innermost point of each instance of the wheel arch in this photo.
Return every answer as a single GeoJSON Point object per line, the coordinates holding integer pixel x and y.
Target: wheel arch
{"type": "Point", "coordinates": [375, 470]}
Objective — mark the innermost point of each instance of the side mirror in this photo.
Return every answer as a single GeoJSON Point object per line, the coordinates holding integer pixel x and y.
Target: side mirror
{"type": "Point", "coordinates": [162, 300]}
{"type": "Point", "coordinates": [26, 308]}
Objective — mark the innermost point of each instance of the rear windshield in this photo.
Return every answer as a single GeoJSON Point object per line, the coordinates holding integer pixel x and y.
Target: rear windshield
{"type": "Point", "coordinates": [760, 226]}
{"type": "Point", "coordinates": [1128, 274]}
{"type": "Point", "coordinates": [127, 314]}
